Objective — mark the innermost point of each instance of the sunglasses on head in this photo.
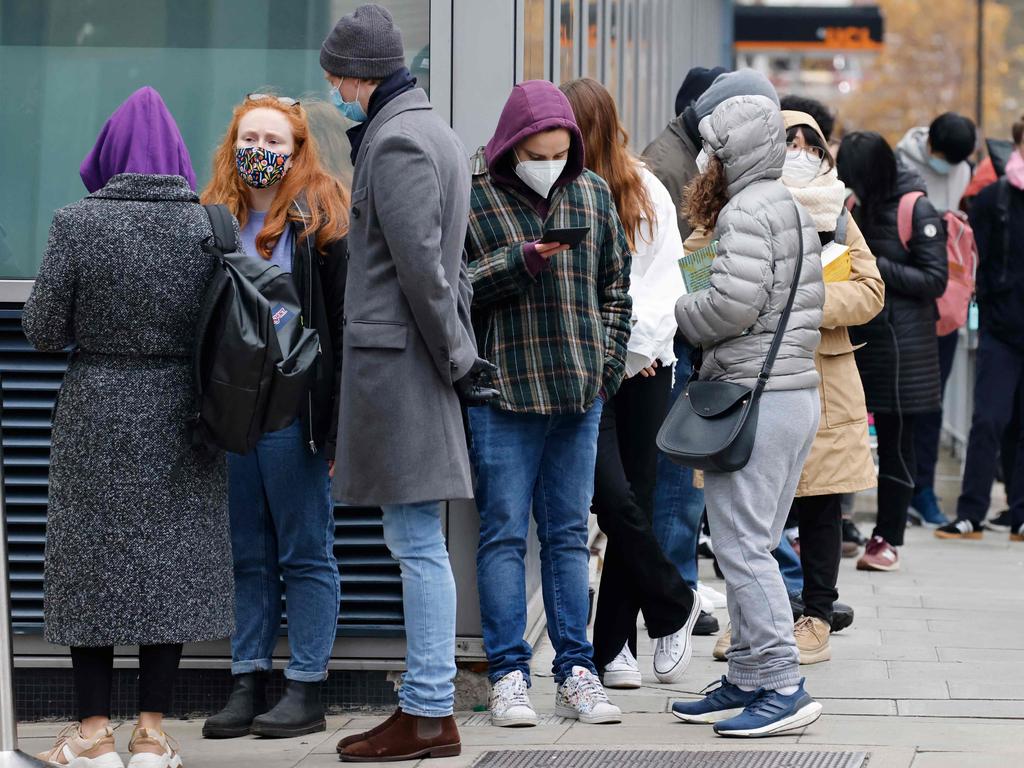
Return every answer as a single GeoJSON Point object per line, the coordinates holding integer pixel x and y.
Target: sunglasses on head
{"type": "Point", "coordinates": [286, 101]}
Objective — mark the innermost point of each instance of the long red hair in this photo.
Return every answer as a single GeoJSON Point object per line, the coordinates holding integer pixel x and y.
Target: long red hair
{"type": "Point", "coordinates": [606, 147]}
{"type": "Point", "coordinates": [326, 199]}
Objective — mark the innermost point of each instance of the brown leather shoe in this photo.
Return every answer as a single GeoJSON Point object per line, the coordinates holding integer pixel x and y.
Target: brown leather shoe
{"type": "Point", "coordinates": [367, 734]}
{"type": "Point", "coordinates": [406, 737]}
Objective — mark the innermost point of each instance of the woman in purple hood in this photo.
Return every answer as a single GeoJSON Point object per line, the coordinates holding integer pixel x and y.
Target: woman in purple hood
{"type": "Point", "coordinates": [137, 548]}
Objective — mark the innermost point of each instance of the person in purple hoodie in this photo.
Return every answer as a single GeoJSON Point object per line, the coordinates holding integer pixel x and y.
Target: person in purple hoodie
{"type": "Point", "coordinates": [554, 318]}
{"type": "Point", "coordinates": [138, 550]}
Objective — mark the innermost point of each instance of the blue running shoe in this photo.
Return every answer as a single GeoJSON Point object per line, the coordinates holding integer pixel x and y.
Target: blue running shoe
{"type": "Point", "coordinates": [724, 701]}
{"type": "Point", "coordinates": [924, 508]}
{"type": "Point", "coordinates": [771, 714]}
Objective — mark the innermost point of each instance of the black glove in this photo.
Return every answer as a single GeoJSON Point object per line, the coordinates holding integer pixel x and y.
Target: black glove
{"type": "Point", "coordinates": [474, 388]}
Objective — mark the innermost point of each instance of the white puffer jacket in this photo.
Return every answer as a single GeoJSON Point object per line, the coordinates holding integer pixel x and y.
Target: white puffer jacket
{"type": "Point", "coordinates": [735, 318]}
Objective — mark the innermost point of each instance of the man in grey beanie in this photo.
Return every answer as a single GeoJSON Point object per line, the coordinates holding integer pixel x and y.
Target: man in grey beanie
{"type": "Point", "coordinates": [409, 356]}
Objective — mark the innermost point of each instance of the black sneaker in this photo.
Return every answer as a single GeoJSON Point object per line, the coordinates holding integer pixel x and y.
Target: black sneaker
{"type": "Point", "coordinates": [852, 534]}
{"type": "Point", "coordinates": [960, 529]}
{"type": "Point", "coordinates": [1001, 523]}
{"type": "Point", "coordinates": [706, 624]}
{"type": "Point", "coordinates": [1017, 534]}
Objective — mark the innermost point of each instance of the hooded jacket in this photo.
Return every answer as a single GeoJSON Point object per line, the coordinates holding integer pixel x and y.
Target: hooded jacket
{"type": "Point", "coordinates": [943, 189]}
{"type": "Point", "coordinates": [840, 460]}
{"type": "Point", "coordinates": [899, 359]}
{"type": "Point", "coordinates": [558, 333]}
{"type": "Point", "coordinates": [734, 320]}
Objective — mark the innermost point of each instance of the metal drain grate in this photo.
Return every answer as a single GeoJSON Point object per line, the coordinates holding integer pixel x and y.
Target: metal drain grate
{"type": "Point", "coordinates": [484, 719]}
{"type": "Point", "coordinates": [666, 759]}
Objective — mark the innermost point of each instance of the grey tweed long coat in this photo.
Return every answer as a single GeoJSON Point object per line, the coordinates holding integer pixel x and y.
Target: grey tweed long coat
{"type": "Point", "coordinates": [137, 544]}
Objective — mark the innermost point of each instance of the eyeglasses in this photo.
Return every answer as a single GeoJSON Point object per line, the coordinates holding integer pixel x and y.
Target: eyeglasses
{"type": "Point", "coordinates": [812, 153]}
{"type": "Point", "coordinates": [286, 101]}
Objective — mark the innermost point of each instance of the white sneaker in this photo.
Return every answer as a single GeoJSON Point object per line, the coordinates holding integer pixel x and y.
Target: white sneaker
{"type": "Point", "coordinates": [623, 671]}
{"type": "Point", "coordinates": [74, 749]}
{"type": "Point", "coordinates": [510, 703]}
{"type": "Point", "coordinates": [710, 596]}
{"type": "Point", "coordinates": [581, 697]}
{"type": "Point", "coordinates": [672, 653]}
{"type": "Point", "coordinates": [168, 758]}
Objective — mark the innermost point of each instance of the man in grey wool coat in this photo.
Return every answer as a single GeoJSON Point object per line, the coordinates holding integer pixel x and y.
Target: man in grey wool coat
{"type": "Point", "coordinates": [409, 355]}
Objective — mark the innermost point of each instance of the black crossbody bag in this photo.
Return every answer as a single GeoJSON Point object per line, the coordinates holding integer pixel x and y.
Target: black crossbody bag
{"type": "Point", "coordinates": [713, 424]}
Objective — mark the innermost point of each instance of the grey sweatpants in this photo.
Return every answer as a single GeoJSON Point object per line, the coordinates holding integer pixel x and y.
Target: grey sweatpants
{"type": "Point", "coordinates": [747, 512]}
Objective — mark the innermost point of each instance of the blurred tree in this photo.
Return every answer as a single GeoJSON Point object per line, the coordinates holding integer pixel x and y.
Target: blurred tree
{"type": "Point", "coordinates": [929, 65]}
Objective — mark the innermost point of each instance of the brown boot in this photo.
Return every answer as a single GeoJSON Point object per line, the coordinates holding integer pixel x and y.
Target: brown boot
{"type": "Point", "coordinates": [367, 734]}
{"type": "Point", "coordinates": [406, 737]}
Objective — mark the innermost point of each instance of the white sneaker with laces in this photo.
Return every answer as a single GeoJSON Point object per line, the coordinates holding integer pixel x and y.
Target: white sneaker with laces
{"type": "Point", "coordinates": [581, 697]}
{"type": "Point", "coordinates": [151, 737]}
{"type": "Point", "coordinates": [623, 671]}
{"type": "Point", "coordinates": [711, 595]}
{"type": "Point", "coordinates": [672, 653]}
{"type": "Point", "coordinates": [510, 703]}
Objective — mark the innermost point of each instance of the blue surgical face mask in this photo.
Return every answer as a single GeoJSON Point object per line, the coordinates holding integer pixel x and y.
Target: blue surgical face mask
{"type": "Point", "coordinates": [939, 165]}
{"type": "Point", "coordinates": [353, 110]}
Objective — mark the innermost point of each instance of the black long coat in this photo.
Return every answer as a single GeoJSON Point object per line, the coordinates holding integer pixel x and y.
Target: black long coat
{"type": "Point", "coordinates": [137, 542]}
{"type": "Point", "coordinates": [899, 362]}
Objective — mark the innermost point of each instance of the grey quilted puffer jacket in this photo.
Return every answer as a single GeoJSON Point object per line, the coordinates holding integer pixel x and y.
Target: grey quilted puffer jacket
{"type": "Point", "coordinates": [735, 318]}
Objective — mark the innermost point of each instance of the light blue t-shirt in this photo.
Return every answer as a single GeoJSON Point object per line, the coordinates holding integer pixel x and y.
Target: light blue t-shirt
{"type": "Point", "coordinates": [282, 253]}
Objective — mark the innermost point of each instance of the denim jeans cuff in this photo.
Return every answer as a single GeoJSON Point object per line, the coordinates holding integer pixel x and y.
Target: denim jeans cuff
{"type": "Point", "coordinates": [566, 670]}
{"type": "Point", "coordinates": [305, 677]}
{"type": "Point", "coordinates": [426, 712]}
{"type": "Point", "coordinates": [252, 665]}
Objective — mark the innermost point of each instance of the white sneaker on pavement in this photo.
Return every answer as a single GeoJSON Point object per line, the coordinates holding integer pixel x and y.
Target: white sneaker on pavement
{"type": "Point", "coordinates": [672, 653]}
{"type": "Point", "coordinates": [581, 697]}
{"type": "Point", "coordinates": [711, 595]}
{"type": "Point", "coordinates": [510, 703]}
{"type": "Point", "coordinates": [623, 671]}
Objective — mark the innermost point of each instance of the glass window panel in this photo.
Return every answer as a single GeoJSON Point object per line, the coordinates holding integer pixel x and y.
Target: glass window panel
{"type": "Point", "coordinates": [533, 40]}
{"type": "Point", "coordinates": [65, 66]}
{"type": "Point", "coordinates": [567, 41]}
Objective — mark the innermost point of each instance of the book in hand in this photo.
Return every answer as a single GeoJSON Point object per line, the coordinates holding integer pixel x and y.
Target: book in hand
{"type": "Point", "coordinates": [836, 262]}
{"type": "Point", "coordinates": [696, 267]}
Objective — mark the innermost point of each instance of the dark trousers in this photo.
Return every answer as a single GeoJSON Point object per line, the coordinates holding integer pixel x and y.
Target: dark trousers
{"type": "Point", "coordinates": [94, 677]}
{"type": "Point", "coordinates": [895, 474]}
{"type": "Point", "coordinates": [820, 519]}
{"type": "Point", "coordinates": [637, 575]}
{"type": "Point", "coordinates": [1011, 436]}
{"type": "Point", "coordinates": [1000, 370]}
{"type": "Point", "coordinates": [928, 426]}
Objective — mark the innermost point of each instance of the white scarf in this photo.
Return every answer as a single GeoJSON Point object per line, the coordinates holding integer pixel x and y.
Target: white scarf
{"type": "Point", "coordinates": [823, 198]}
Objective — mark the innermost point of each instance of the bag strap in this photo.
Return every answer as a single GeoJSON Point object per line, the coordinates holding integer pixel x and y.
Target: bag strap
{"type": "Point", "coordinates": [223, 228]}
{"type": "Point", "coordinates": [780, 331]}
{"type": "Point", "coordinates": [905, 217]}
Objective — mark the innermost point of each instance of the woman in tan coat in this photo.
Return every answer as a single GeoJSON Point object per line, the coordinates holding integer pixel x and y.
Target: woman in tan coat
{"type": "Point", "coordinates": [840, 461]}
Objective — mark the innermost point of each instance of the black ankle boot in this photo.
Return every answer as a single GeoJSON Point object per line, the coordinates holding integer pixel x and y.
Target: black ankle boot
{"type": "Point", "coordinates": [248, 699]}
{"type": "Point", "coordinates": [297, 713]}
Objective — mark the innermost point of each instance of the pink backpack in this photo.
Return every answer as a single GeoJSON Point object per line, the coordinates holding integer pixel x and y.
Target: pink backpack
{"type": "Point", "coordinates": [961, 254]}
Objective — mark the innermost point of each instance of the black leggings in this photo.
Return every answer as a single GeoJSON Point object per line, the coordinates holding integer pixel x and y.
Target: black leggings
{"type": "Point", "coordinates": [821, 542]}
{"type": "Point", "coordinates": [94, 677]}
{"type": "Point", "coordinates": [896, 466]}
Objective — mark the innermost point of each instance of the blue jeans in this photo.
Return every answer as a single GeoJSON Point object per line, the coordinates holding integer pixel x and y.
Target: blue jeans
{"type": "Point", "coordinates": [678, 506]}
{"type": "Point", "coordinates": [790, 568]}
{"type": "Point", "coordinates": [546, 461]}
{"type": "Point", "coordinates": [282, 527]}
{"type": "Point", "coordinates": [414, 537]}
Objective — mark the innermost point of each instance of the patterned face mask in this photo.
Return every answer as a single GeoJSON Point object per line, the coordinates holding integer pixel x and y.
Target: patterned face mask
{"type": "Point", "coordinates": [260, 168]}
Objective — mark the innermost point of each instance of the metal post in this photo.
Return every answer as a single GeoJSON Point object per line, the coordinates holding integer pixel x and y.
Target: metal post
{"type": "Point", "coordinates": [10, 757]}
{"type": "Point", "coordinates": [980, 93]}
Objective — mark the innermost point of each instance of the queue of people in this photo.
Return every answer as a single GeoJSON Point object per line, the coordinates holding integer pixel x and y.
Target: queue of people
{"type": "Point", "coordinates": [510, 327]}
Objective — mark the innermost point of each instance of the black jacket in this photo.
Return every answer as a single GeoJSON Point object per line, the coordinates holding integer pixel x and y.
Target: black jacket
{"type": "Point", "coordinates": [899, 362]}
{"type": "Point", "coordinates": [1000, 277]}
{"type": "Point", "coordinates": [320, 279]}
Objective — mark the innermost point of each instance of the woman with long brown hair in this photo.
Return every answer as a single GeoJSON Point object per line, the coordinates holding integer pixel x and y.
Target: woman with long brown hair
{"type": "Point", "coordinates": [294, 214]}
{"type": "Point", "coordinates": [637, 575]}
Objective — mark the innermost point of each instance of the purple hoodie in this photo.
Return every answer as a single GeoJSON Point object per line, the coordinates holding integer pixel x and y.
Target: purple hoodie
{"type": "Point", "coordinates": [533, 106]}
{"type": "Point", "coordinates": [140, 137]}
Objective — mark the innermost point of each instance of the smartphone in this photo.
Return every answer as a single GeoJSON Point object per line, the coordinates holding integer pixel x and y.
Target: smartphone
{"type": "Point", "coordinates": [571, 236]}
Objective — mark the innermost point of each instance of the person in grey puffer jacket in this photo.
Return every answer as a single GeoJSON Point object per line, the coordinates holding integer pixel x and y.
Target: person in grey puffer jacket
{"type": "Point", "coordinates": [758, 227]}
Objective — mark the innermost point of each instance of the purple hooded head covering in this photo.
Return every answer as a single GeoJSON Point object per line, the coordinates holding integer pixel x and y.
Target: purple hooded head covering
{"type": "Point", "coordinates": [140, 137]}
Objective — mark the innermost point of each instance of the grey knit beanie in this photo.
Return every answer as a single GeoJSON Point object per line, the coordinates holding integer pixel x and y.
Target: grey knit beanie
{"type": "Point", "coordinates": [366, 44]}
{"type": "Point", "coordinates": [742, 82]}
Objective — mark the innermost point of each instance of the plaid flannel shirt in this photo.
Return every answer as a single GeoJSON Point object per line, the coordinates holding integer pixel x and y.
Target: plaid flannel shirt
{"type": "Point", "coordinates": [560, 336]}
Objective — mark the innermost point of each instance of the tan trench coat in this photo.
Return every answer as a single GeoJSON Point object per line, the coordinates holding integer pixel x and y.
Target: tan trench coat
{"type": "Point", "coordinates": [840, 460]}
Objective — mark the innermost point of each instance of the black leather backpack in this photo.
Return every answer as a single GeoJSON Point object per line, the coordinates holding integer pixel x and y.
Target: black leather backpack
{"type": "Point", "coordinates": [253, 357]}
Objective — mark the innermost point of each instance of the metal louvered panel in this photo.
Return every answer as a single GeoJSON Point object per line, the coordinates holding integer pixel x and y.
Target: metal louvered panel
{"type": "Point", "coordinates": [371, 585]}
